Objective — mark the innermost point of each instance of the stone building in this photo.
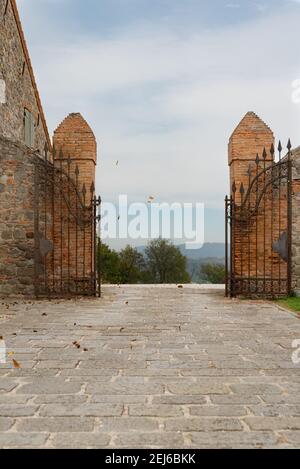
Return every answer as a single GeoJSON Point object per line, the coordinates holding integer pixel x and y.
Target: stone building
{"type": "Point", "coordinates": [263, 211]}
{"type": "Point", "coordinates": [46, 193]}
{"type": "Point", "coordinates": [21, 114]}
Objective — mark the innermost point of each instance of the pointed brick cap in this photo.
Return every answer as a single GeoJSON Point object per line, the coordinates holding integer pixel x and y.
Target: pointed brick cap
{"type": "Point", "coordinates": [76, 139]}
{"type": "Point", "coordinates": [250, 137]}
{"type": "Point", "coordinates": [253, 123]}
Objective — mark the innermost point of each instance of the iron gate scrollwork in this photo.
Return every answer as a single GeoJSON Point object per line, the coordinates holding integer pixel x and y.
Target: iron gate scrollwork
{"type": "Point", "coordinates": [258, 230]}
{"type": "Point", "coordinates": [66, 230]}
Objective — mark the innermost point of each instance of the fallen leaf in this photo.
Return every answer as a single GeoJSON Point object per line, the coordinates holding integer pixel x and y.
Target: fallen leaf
{"type": "Point", "coordinates": [180, 286]}
{"type": "Point", "coordinates": [85, 350]}
{"type": "Point", "coordinates": [16, 364]}
{"type": "Point", "coordinates": [127, 303]}
{"type": "Point", "coordinates": [282, 440]}
{"type": "Point", "coordinates": [10, 354]}
{"type": "Point", "coordinates": [44, 314]}
{"type": "Point", "coordinates": [122, 329]}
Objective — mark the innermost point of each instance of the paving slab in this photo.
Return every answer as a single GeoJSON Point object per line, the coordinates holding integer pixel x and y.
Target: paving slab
{"type": "Point", "coordinates": [150, 367]}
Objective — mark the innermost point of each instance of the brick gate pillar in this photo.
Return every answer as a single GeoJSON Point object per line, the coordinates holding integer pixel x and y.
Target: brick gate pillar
{"type": "Point", "coordinates": [249, 138]}
{"type": "Point", "coordinates": [75, 142]}
{"type": "Point", "coordinates": [76, 139]}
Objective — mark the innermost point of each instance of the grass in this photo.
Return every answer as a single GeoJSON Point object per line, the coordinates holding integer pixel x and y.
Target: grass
{"type": "Point", "coordinates": [292, 303]}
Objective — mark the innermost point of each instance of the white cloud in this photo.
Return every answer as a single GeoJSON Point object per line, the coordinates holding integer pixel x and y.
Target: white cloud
{"type": "Point", "coordinates": [164, 105]}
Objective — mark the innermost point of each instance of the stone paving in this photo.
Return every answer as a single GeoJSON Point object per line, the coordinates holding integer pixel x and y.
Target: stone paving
{"type": "Point", "coordinates": [149, 367]}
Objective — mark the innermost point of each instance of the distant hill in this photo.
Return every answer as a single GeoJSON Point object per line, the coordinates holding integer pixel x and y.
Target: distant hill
{"type": "Point", "coordinates": [208, 251]}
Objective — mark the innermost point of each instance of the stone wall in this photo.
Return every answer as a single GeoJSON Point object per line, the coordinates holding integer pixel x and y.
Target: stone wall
{"type": "Point", "coordinates": [47, 228]}
{"type": "Point", "coordinates": [17, 220]}
{"type": "Point", "coordinates": [19, 90]}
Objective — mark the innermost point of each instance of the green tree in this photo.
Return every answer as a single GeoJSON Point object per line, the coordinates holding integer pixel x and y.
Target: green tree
{"type": "Point", "coordinates": [132, 265]}
{"type": "Point", "coordinates": [213, 273]}
{"type": "Point", "coordinates": [109, 263]}
{"type": "Point", "coordinates": [165, 263]}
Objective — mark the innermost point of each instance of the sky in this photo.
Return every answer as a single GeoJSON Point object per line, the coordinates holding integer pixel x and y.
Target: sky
{"type": "Point", "coordinates": [163, 83]}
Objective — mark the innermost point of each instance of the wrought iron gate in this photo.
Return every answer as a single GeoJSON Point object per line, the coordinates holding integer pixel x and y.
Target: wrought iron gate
{"type": "Point", "coordinates": [258, 230]}
{"type": "Point", "coordinates": [66, 234]}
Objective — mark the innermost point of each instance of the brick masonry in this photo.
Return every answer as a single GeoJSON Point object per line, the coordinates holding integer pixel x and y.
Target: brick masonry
{"type": "Point", "coordinates": [253, 251]}
{"type": "Point", "coordinates": [74, 140]}
{"type": "Point", "coordinates": [248, 140]}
